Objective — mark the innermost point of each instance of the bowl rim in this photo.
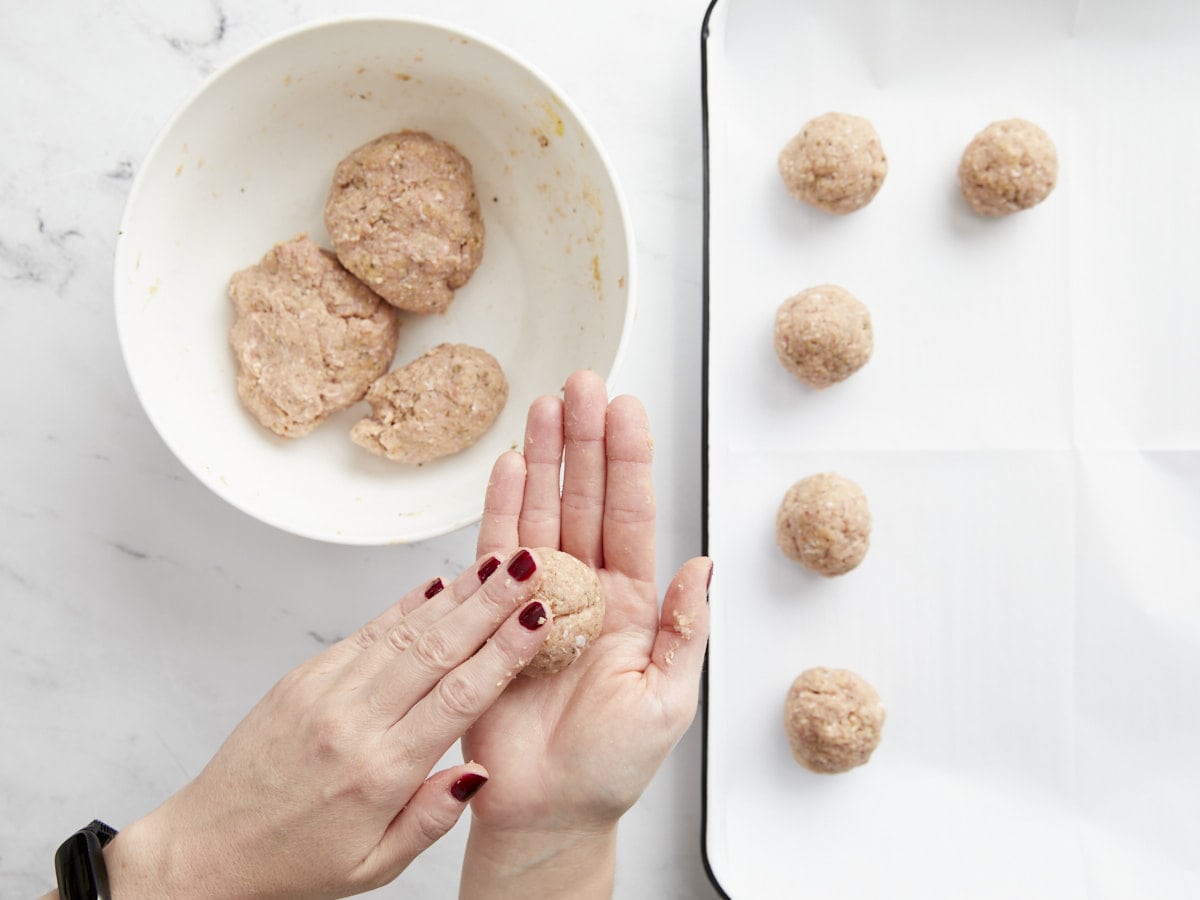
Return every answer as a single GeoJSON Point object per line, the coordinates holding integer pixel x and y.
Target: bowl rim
{"type": "Point", "coordinates": [221, 71]}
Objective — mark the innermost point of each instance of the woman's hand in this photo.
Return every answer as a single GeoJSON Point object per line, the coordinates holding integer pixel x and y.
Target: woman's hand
{"type": "Point", "coordinates": [570, 752]}
{"type": "Point", "coordinates": [322, 791]}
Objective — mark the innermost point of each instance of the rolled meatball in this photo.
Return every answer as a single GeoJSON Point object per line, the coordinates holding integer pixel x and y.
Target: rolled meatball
{"type": "Point", "coordinates": [824, 524]}
{"type": "Point", "coordinates": [835, 163]}
{"type": "Point", "coordinates": [1011, 165]}
{"type": "Point", "coordinates": [823, 335]}
{"type": "Point", "coordinates": [833, 719]}
{"type": "Point", "coordinates": [571, 590]}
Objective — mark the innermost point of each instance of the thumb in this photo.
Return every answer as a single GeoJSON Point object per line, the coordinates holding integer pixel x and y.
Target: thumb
{"type": "Point", "coordinates": [429, 814]}
{"type": "Point", "coordinates": [678, 650]}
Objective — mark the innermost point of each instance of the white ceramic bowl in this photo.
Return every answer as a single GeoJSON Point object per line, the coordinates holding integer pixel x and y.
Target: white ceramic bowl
{"type": "Point", "coordinates": [247, 162]}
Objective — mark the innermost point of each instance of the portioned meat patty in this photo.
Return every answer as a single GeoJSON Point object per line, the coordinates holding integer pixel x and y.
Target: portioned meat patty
{"type": "Point", "coordinates": [436, 405]}
{"type": "Point", "coordinates": [403, 216]}
{"type": "Point", "coordinates": [309, 337]}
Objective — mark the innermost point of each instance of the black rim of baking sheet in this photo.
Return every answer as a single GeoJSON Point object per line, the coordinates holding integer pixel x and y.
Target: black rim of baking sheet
{"type": "Point", "coordinates": [704, 441]}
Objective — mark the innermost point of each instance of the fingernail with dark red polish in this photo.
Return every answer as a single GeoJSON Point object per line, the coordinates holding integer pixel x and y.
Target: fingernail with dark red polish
{"type": "Point", "coordinates": [486, 570]}
{"type": "Point", "coordinates": [434, 588]}
{"type": "Point", "coordinates": [522, 566]}
{"type": "Point", "coordinates": [533, 616]}
{"type": "Point", "coordinates": [467, 786]}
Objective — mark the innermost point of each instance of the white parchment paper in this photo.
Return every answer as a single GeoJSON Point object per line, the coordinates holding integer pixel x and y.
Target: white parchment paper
{"type": "Point", "coordinates": [1027, 433]}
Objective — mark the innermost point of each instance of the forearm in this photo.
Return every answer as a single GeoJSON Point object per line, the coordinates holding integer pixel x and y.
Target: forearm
{"type": "Point", "coordinates": [517, 866]}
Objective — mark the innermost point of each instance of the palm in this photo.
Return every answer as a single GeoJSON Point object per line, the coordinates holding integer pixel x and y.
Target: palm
{"type": "Point", "coordinates": [565, 721]}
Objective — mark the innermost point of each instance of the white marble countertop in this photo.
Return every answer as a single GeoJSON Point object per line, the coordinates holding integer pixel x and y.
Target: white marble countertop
{"type": "Point", "coordinates": [143, 616]}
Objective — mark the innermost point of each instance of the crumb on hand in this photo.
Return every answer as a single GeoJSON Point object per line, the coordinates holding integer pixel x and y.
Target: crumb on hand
{"type": "Point", "coordinates": [683, 624]}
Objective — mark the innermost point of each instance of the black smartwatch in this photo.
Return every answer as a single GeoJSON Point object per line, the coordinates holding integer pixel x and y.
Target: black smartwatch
{"type": "Point", "coordinates": [79, 863]}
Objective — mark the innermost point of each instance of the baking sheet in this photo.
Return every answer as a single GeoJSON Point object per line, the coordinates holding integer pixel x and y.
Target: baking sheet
{"type": "Point", "coordinates": [1027, 433]}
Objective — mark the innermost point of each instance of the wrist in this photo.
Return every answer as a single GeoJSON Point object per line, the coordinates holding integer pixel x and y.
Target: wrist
{"type": "Point", "coordinates": [134, 863]}
{"type": "Point", "coordinates": [509, 862]}
{"type": "Point", "coordinates": [151, 859]}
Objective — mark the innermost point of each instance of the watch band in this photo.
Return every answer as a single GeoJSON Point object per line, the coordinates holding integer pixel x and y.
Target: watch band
{"type": "Point", "coordinates": [79, 863]}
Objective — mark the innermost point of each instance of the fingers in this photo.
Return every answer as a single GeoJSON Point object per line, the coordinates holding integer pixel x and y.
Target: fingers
{"type": "Point", "coordinates": [498, 529]}
{"type": "Point", "coordinates": [431, 812]}
{"type": "Point", "coordinates": [540, 518]}
{"type": "Point", "coordinates": [678, 651]}
{"type": "Point", "coordinates": [406, 628]}
{"type": "Point", "coordinates": [366, 636]}
{"type": "Point", "coordinates": [419, 660]}
{"type": "Point", "coordinates": [353, 645]}
{"type": "Point", "coordinates": [463, 694]}
{"type": "Point", "coordinates": [377, 641]}
{"type": "Point", "coordinates": [412, 600]}
{"type": "Point", "coordinates": [629, 508]}
{"type": "Point", "coordinates": [603, 512]}
{"type": "Point", "coordinates": [584, 468]}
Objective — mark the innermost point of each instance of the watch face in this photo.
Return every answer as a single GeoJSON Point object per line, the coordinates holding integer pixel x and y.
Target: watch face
{"type": "Point", "coordinates": [79, 865]}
